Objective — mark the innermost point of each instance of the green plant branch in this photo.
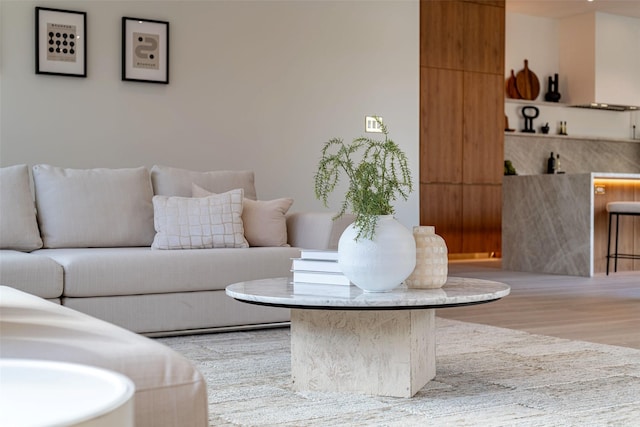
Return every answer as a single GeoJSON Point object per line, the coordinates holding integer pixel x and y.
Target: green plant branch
{"type": "Point", "coordinates": [381, 174]}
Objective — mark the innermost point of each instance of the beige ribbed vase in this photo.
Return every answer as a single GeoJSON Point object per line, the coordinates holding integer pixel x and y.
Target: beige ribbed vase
{"type": "Point", "coordinates": [431, 259]}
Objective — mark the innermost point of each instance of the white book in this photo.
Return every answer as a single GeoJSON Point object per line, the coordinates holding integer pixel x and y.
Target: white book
{"type": "Point", "coordinates": [322, 278]}
{"type": "Point", "coordinates": [302, 264]}
{"type": "Point", "coordinates": [319, 254]}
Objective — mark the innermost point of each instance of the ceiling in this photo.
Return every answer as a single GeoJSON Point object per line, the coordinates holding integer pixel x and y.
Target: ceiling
{"type": "Point", "coordinates": [563, 8]}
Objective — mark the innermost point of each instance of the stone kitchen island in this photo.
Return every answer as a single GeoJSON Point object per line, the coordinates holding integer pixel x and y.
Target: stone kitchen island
{"type": "Point", "coordinates": [558, 223]}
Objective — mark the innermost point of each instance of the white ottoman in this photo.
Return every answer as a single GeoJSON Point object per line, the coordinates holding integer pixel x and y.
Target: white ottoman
{"type": "Point", "coordinates": [169, 389]}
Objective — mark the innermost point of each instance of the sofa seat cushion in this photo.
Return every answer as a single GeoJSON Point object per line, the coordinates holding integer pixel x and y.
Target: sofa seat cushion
{"type": "Point", "coordinates": [169, 390]}
{"type": "Point", "coordinates": [31, 273]}
{"type": "Point", "coordinates": [134, 271]}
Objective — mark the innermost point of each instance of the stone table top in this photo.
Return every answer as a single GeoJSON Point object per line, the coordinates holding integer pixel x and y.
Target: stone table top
{"type": "Point", "coordinates": [282, 292]}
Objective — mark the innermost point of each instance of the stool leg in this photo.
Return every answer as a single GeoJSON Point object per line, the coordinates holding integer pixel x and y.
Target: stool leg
{"type": "Point", "coordinates": [615, 264]}
{"type": "Point", "coordinates": [609, 244]}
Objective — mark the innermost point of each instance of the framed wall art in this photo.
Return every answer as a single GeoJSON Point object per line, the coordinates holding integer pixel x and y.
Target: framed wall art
{"type": "Point", "coordinates": [145, 50]}
{"type": "Point", "coordinates": [61, 42]}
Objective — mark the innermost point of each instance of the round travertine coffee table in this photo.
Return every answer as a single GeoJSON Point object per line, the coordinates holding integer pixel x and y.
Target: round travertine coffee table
{"type": "Point", "coordinates": [344, 339]}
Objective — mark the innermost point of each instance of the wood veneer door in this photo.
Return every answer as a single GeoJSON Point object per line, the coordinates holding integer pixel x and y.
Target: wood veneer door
{"type": "Point", "coordinates": [481, 218]}
{"type": "Point", "coordinates": [441, 125]}
{"type": "Point", "coordinates": [483, 38]}
{"type": "Point", "coordinates": [441, 34]}
{"type": "Point", "coordinates": [441, 205]}
{"type": "Point", "coordinates": [483, 129]}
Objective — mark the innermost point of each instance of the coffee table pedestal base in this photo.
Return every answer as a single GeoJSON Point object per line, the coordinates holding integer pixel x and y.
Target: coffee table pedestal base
{"type": "Point", "coordinates": [378, 352]}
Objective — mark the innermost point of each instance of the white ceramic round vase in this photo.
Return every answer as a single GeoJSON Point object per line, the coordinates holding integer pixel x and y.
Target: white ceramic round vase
{"type": "Point", "coordinates": [431, 259]}
{"type": "Point", "coordinates": [381, 264]}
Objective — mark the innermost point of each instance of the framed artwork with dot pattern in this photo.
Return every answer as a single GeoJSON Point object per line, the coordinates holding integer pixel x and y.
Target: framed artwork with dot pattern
{"type": "Point", "coordinates": [61, 42]}
{"type": "Point", "coordinates": [145, 50]}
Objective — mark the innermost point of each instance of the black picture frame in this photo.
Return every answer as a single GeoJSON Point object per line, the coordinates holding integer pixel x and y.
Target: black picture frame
{"type": "Point", "coordinates": [61, 42]}
{"type": "Point", "coordinates": [145, 50]}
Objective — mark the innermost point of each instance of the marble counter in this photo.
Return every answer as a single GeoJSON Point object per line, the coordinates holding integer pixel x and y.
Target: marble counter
{"type": "Point", "coordinates": [548, 222]}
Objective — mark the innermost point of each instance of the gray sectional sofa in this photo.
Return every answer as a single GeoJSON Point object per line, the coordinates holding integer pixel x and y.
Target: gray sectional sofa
{"type": "Point", "coordinates": [105, 242]}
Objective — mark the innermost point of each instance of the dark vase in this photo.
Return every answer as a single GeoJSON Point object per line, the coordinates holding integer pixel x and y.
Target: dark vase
{"type": "Point", "coordinates": [553, 95]}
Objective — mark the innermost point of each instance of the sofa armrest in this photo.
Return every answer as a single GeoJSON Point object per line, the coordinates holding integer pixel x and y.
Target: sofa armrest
{"type": "Point", "coordinates": [316, 230]}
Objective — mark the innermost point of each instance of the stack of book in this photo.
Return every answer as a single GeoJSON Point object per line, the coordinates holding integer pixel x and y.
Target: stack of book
{"type": "Point", "coordinates": [318, 266]}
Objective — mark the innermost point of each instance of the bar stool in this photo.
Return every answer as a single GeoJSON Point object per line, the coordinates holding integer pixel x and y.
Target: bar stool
{"type": "Point", "coordinates": [618, 209]}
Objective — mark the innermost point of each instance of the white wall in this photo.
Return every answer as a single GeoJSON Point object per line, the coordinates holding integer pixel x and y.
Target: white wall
{"type": "Point", "coordinates": [254, 85]}
{"type": "Point", "coordinates": [537, 39]}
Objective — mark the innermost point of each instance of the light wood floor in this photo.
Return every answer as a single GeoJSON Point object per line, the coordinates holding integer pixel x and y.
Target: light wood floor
{"type": "Point", "coordinates": [601, 309]}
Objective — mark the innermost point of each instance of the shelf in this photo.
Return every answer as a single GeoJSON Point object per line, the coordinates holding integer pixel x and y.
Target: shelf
{"type": "Point", "coordinates": [535, 102]}
{"type": "Point", "coordinates": [577, 137]}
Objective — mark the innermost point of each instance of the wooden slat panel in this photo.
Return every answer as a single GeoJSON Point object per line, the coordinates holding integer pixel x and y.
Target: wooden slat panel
{"type": "Point", "coordinates": [483, 136]}
{"type": "Point", "coordinates": [441, 100]}
{"type": "Point", "coordinates": [441, 34]}
{"type": "Point", "coordinates": [441, 206]}
{"type": "Point", "coordinates": [483, 42]}
{"type": "Point", "coordinates": [482, 218]}
{"type": "Point", "coordinates": [462, 124]}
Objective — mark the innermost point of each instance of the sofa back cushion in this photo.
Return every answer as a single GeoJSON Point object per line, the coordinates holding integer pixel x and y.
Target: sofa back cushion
{"type": "Point", "coordinates": [168, 181]}
{"type": "Point", "coordinates": [94, 207]}
{"type": "Point", "coordinates": [18, 225]}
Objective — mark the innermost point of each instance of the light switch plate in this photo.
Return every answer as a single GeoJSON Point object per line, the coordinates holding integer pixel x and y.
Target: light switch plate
{"type": "Point", "coordinates": [371, 125]}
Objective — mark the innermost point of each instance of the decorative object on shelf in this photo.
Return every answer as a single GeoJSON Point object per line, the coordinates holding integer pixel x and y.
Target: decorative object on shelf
{"type": "Point", "coordinates": [61, 42]}
{"type": "Point", "coordinates": [145, 50]}
{"type": "Point", "coordinates": [551, 164]}
{"type": "Point", "coordinates": [558, 168]}
{"type": "Point", "coordinates": [528, 119]}
{"type": "Point", "coordinates": [375, 245]}
{"type": "Point", "coordinates": [562, 130]}
{"type": "Point", "coordinates": [506, 124]}
{"type": "Point", "coordinates": [527, 83]}
{"type": "Point", "coordinates": [431, 259]}
{"type": "Point", "coordinates": [545, 129]}
{"type": "Point", "coordinates": [511, 89]}
{"type": "Point", "coordinates": [553, 95]}
{"type": "Point", "coordinates": [509, 169]}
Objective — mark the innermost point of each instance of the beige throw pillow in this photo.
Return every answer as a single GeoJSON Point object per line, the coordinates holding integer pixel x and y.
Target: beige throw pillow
{"type": "Point", "coordinates": [18, 225]}
{"type": "Point", "coordinates": [264, 222]}
{"type": "Point", "coordinates": [199, 223]}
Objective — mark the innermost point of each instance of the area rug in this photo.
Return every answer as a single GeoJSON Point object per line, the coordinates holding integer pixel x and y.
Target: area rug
{"type": "Point", "coordinates": [486, 376]}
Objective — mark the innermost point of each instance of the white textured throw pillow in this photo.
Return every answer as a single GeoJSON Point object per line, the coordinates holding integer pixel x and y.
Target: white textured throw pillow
{"type": "Point", "coordinates": [265, 222]}
{"type": "Point", "coordinates": [18, 225]}
{"type": "Point", "coordinates": [199, 223]}
{"type": "Point", "coordinates": [102, 207]}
